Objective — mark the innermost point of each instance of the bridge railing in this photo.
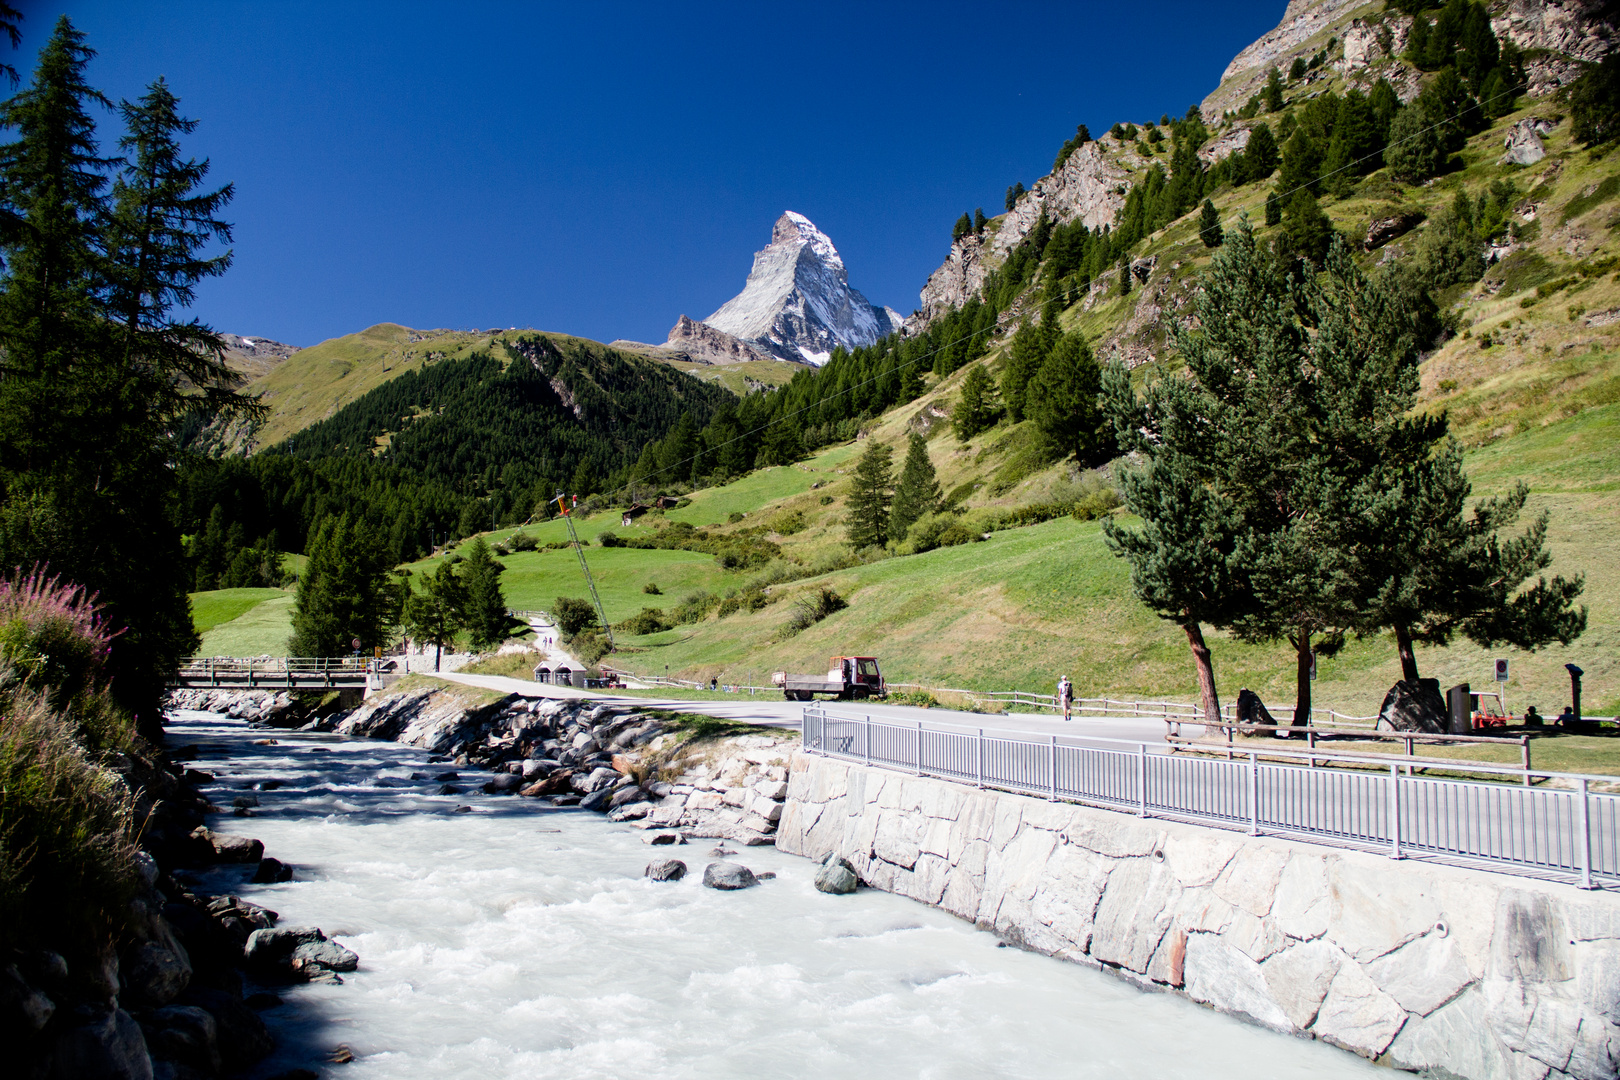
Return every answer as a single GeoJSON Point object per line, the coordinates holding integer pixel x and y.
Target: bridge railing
{"type": "Point", "coordinates": [1565, 830]}
{"type": "Point", "coordinates": [276, 670]}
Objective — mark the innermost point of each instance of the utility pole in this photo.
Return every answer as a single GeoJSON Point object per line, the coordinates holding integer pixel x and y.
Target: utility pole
{"type": "Point", "coordinates": [579, 549]}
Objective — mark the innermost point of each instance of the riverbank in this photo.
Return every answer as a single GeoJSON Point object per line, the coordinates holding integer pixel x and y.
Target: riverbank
{"type": "Point", "coordinates": [517, 938]}
{"type": "Point", "coordinates": [1411, 964]}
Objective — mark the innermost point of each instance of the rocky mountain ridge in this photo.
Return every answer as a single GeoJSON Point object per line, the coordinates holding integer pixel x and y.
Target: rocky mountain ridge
{"type": "Point", "coordinates": [1362, 42]}
{"type": "Point", "coordinates": [797, 306]}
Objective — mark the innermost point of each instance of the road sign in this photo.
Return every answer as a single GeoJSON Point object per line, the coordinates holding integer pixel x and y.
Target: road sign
{"type": "Point", "coordinates": [377, 652]}
{"type": "Point", "coordinates": [1502, 670]}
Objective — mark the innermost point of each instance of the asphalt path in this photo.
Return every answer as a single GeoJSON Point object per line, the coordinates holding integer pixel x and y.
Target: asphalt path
{"type": "Point", "coordinates": [773, 711]}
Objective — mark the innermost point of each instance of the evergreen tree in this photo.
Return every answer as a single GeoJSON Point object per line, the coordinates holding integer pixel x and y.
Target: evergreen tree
{"type": "Point", "coordinates": [1301, 163]}
{"type": "Point", "coordinates": [1417, 145]}
{"type": "Point", "coordinates": [1273, 93]}
{"type": "Point", "coordinates": [918, 492]}
{"type": "Point", "coordinates": [484, 613]}
{"type": "Point", "coordinates": [979, 220]}
{"type": "Point", "coordinates": [1306, 232]}
{"type": "Point", "coordinates": [976, 410]}
{"type": "Point", "coordinates": [342, 592]}
{"type": "Point", "coordinates": [1273, 208]}
{"type": "Point", "coordinates": [1594, 103]}
{"type": "Point", "coordinates": [1209, 225]}
{"type": "Point", "coordinates": [964, 225]}
{"type": "Point", "coordinates": [870, 496]}
{"type": "Point", "coordinates": [1013, 194]}
{"type": "Point", "coordinates": [434, 615]}
{"type": "Point", "coordinates": [1125, 275]}
{"type": "Point", "coordinates": [1297, 71]}
{"type": "Point", "coordinates": [1260, 155]}
{"type": "Point", "coordinates": [1063, 401]}
{"type": "Point", "coordinates": [1030, 344]}
{"type": "Point", "coordinates": [208, 551]}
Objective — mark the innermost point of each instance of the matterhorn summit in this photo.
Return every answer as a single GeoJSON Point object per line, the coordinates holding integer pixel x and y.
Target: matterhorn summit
{"type": "Point", "coordinates": [797, 305]}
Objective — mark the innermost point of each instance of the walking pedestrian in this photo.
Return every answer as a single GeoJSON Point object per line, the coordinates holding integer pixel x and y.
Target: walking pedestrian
{"type": "Point", "coordinates": [1065, 695]}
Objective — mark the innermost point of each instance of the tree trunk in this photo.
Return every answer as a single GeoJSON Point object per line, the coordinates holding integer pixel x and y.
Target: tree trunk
{"type": "Point", "coordinates": [1403, 646]}
{"type": "Point", "coordinates": [436, 650]}
{"type": "Point", "coordinates": [1208, 698]}
{"type": "Point", "coordinates": [1302, 701]}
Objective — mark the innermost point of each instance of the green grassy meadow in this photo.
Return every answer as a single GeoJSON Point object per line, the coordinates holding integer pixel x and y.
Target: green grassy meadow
{"type": "Point", "coordinates": [261, 624]}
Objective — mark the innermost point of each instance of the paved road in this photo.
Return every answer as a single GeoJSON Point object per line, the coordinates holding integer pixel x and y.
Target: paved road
{"type": "Point", "coordinates": [771, 710]}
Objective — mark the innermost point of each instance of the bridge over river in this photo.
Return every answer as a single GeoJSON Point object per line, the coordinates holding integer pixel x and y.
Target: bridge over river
{"type": "Point", "coordinates": [277, 673]}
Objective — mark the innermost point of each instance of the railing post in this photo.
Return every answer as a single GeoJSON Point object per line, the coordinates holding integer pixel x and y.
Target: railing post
{"type": "Point", "coordinates": [1254, 794]}
{"type": "Point", "coordinates": [869, 740]}
{"type": "Point", "coordinates": [1052, 774]}
{"type": "Point", "coordinates": [918, 755]}
{"type": "Point", "coordinates": [1524, 753]}
{"type": "Point", "coordinates": [1141, 780]}
{"type": "Point", "coordinates": [979, 760]}
{"type": "Point", "coordinates": [1395, 810]}
{"type": "Point", "coordinates": [1586, 837]}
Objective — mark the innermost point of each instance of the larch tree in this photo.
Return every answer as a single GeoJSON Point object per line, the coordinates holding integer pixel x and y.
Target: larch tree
{"type": "Point", "coordinates": [976, 410]}
{"type": "Point", "coordinates": [435, 615]}
{"type": "Point", "coordinates": [871, 494]}
{"type": "Point", "coordinates": [918, 492]}
{"type": "Point", "coordinates": [1063, 401]}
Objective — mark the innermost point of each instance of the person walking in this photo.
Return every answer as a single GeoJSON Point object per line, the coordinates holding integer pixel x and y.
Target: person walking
{"type": "Point", "coordinates": [1065, 693]}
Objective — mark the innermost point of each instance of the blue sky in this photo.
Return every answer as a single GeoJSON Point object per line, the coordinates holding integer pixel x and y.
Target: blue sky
{"type": "Point", "coordinates": [601, 168]}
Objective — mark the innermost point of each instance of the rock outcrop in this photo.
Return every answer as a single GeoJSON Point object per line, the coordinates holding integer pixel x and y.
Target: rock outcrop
{"type": "Point", "coordinates": [1091, 187]}
{"type": "Point", "coordinates": [797, 306]}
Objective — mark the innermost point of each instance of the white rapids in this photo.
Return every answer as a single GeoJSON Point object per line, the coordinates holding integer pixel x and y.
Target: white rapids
{"type": "Point", "coordinates": [523, 941]}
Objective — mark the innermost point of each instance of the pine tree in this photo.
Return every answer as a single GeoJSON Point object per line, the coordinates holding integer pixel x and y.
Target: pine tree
{"type": "Point", "coordinates": [1594, 103]}
{"type": "Point", "coordinates": [1301, 163]}
{"type": "Point", "coordinates": [434, 615]}
{"type": "Point", "coordinates": [1209, 225]}
{"type": "Point", "coordinates": [979, 220]}
{"type": "Point", "coordinates": [1260, 155]}
{"type": "Point", "coordinates": [976, 410]}
{"type": "Point", "coordinates": [964, 225]}
{"type": "Point", "coordinates": [1030, 344]}
{"type": "Point", "coordinates": [484, 613]}
{"type": "Point", "coordinates": [1063, 401]}
{"type": "Point", "coordinates": [342, 592]}
{"type": "Point", "coordinates": [870, 496]}
{"type": "Point", "coordinates": [1307, 232]}
{"type": "Point", "coordinates": [1273, 208]}
{"type": "Point", "coordinates": [1273, 93]}
{"type": "Point", "coordinates": [1125, 275]}
{"type": "Point", "coordinates": [918, 492]}
{"type": "Point", "coordinates": [1417, 142]}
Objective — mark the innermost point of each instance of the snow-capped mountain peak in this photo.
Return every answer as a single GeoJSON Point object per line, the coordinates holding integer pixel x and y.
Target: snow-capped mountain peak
{"type": "Point", "coordinates": [798, 304]}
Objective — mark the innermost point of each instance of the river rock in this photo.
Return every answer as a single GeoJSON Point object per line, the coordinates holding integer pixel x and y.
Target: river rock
{"type": "Point", "coordinates": [155, 974]}
{"type": "Point", "coordinates": [184, 1034]}
{"type": "Point", "coordinates": [728, 876]}
{"type": "Point", "coordinates": [243, 1038]}
{"type": "Point", "coordinates": [326, 954]}
{"type": "Point", "coordinates": [448, 789]}
{"type": "Point", "coordinates": [837, 876]}
{"type": "Point", "coordinates": [663, 838]}
{"type": "Point", "coordinates": [109, 1046]}
{"type": "Point", "coordinates": [596, 800]}
{"type": "Point", "coordinates": [630, 794]}
{"type": "Point", "coordinates": [503, 784]}
{"type": "Point", "coordinates": [669, 870]}
{"type": "Point", "coordinates": [238, 849]}
{"type": "Point", "coordinates": [20, 999]}
{"type": "Point", "coordinates": [271, 871]}
{"type": "Point", "coordinates": [1415, 707]}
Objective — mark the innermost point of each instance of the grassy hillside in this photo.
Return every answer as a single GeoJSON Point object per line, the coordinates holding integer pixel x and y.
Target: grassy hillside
{"type": "Point", "coordinates": [243, 622]}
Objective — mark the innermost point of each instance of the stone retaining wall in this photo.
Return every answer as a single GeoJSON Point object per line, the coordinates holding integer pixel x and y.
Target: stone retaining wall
{"type": "Point", "coordinates": [1412, 964]}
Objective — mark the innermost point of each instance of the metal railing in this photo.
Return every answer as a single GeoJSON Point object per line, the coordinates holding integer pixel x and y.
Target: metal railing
{"type": "Point", "coordinates": [1563, 830]}
{"type": "Point", "coordinates": [1106, 706]}
{"type": "Point", "coordinates": [1313, 736]}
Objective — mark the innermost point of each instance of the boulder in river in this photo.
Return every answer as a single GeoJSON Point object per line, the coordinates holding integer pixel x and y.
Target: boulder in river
{"type": "Point", "coordinates": [301, 951]}
{"type": "Point", "coordinates": [271, 871]}
{"type": "Point", "coordinates": [503, 784]}
{"type": "Point", "coordinates": [836, 876]}
{"type": "Point", "coordinates": [668, 870]}
{"type": "Point", "coordinates": [728, 876]}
